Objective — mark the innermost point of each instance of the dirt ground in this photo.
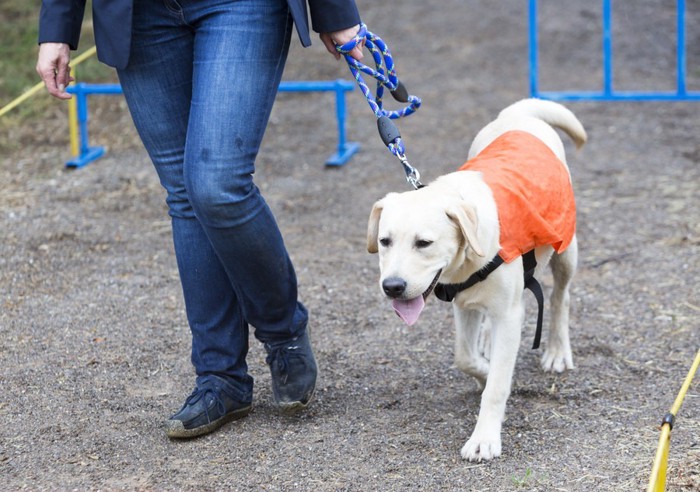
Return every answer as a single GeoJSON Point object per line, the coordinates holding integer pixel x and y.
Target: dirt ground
{"type": "Point", "coordinates": [94, 351]}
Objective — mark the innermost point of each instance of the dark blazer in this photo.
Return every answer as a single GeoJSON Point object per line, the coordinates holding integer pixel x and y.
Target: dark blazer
{"type": "Point", "coordinates": [60, 22]}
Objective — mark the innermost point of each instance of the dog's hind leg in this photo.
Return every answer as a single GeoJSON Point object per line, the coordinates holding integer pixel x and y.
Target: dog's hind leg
{"type": "Point", "coordinates": [469, 343]}
{"type": "Point", "coordinates": [557, 355]}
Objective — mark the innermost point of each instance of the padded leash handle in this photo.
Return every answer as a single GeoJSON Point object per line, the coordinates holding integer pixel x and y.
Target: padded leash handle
{"type": "Point", "coordinates": [384, 73]}
{"type": "Point", "coordinates": [386, 77]}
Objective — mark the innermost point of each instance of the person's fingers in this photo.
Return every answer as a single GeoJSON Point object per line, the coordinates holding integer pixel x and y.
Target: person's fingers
{"type": "Point", "coordinates": [356, 52]}
{"type": "Point", "coordinates": [53, 66]}
{"type": "Point", "coordinates": [48, 76]}
{"type": "Point", "coordinates": [339, 38]}
{"type": "Point", "coordinates": [63, 77]}
{"type": "Point", "coordinates": [347, 35]}
{"type": "Point", "coordinates": [330, 45]}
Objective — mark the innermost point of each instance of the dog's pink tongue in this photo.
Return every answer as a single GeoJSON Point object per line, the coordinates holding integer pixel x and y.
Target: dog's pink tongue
{"type": "Point", "coordinates": [409, 310]}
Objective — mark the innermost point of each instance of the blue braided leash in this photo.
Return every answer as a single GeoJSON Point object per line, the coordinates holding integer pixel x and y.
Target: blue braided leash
{"type": "Point", "coordinates": [385, 75]}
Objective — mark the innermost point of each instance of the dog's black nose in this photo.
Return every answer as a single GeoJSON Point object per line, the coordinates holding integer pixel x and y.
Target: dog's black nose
{"type": "Point", "coordinates": [394, 287]}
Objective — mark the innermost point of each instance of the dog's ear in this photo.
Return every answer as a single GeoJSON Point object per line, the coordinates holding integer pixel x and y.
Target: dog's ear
{"type": "Point", "coordinates": [373, 226]}
{"type": "Point", "coordinates": [464, 216]}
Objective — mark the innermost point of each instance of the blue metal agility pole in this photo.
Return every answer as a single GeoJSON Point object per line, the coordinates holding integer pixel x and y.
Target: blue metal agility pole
{"type": "Point", "coordinates": [345, 150]}
{"type": "Point", "coordinates": [609, 93]}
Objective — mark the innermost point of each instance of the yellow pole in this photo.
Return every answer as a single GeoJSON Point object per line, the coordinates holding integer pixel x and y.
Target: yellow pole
{"type": "Point", "coordinates": [73, 106]}
{"type": "Point", "coordinates": [73, 124]}
{"type": "Point", "coordinates": [657, 480]}
{"type": "Point", "coordinates": [657, 483]}
{"type": "Point", "coordinates": [22, 98]}
{"type": "Point", "coordinates": [84, 56]}
{"type": "Point", "coordinates": [686, 384]}
{"type": "Point", "coordinates": [76, 61]}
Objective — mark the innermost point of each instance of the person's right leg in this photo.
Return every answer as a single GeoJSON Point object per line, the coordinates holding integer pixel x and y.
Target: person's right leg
{"type": "Point", "coordinates": [222, 227]}
{"type": "Point", "coordinates": [158, 88]}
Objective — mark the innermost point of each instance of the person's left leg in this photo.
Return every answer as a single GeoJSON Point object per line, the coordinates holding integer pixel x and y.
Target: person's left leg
{"type": "Point", "coordinates": [239, 55]}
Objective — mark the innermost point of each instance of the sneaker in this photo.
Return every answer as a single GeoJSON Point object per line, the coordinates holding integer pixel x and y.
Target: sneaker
{"type": "Point", "coordinates": [205, 410]}
{"type": "Point", "coordinates": [294, 371]}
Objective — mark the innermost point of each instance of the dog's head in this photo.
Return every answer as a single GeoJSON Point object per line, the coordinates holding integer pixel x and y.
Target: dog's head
{"type": "Point", "coordinates": [420, 236]}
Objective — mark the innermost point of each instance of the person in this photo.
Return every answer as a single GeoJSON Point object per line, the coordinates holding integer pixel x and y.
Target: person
{"type": "Point", "coordinates": [200, 78]}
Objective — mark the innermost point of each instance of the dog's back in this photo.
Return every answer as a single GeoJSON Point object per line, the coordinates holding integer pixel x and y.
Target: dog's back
{"type": "Point", "coordinates": [535, 116]}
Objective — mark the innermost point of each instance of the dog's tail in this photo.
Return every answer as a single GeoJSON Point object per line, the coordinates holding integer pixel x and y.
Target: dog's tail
{"type": "Point", "coordinates": [551, 113]}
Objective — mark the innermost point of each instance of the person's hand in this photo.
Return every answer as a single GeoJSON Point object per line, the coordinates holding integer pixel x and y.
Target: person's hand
{"type": "Point", "coordinates": [331, 39]}
{"type": "Point", "coordinates": [53, 66]}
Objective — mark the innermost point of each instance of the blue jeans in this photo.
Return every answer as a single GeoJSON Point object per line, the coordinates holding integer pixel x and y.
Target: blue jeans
{"type": "Point", "coordinates": [200, 85]}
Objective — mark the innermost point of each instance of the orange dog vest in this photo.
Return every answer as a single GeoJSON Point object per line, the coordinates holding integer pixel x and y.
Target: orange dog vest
{"type": "Point", "coordinates": [533, 193]}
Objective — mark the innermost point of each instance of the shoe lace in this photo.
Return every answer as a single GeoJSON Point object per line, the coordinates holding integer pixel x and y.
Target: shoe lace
{"type": "Point", "coordinates": [200, 393]}
{"type": "Point", "coordinates": [280, 357]}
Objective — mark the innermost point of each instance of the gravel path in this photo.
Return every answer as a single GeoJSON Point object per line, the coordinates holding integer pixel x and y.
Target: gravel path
{"type": "Point", "coordinates": [94, 347]}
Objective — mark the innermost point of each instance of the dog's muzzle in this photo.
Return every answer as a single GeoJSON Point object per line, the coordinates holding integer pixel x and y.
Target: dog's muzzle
{"type": "Point", "coordinates": [395, 287]}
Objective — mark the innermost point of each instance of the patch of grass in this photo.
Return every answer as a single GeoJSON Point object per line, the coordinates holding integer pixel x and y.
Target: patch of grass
{"type": "Point", "coordinates": [522, 482]}
{"type": "Point", "coordinates": [18, 52]}
{"type": "Point", "coordinates": [17, 47]}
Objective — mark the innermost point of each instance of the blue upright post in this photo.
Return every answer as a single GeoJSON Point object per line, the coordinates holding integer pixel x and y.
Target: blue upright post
{"type": "Point", "coordinates": [607, 49]}
{"type": "Point", "coordinates": [680, 49]}
{"type": "Point", "coordinates": [533, 47]}
{"type": "Point", "coordinates": [87, 153]}
{"type": "Point", "coordinates": [345, 149]}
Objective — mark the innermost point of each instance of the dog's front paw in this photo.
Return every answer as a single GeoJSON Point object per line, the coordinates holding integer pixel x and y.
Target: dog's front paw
{"type": "Point", "coordinates": [482, 448]}
{"type": "Point", "coordinates": [557, 360]}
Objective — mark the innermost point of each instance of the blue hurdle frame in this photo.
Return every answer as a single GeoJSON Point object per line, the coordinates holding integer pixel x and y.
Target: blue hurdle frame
{"type": "Point", "coordinates": [344, 151]}
{"type": "Point", "coordinates": [608, 93]}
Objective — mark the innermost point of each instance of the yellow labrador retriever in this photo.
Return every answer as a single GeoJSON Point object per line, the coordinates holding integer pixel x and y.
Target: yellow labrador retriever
{"type": "Point", "coordinates": [473, 236]}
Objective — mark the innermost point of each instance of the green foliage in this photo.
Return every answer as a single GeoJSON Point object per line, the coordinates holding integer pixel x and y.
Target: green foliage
{"type": "Point", "coordinates": [18, 51]}
{"type": "Point", "coordinates": [522, 482]}
{"type": "Point", "coordinates": [17, 48]}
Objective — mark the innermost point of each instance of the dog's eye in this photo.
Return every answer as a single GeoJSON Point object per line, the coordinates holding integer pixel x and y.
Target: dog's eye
{"type": "Point", "coordinates": [385, 241]}
{"type": "Point", "coordinates": [423, 243]}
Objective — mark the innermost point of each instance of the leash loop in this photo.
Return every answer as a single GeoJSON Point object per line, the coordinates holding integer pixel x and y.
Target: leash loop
{"type": "Point", "coordinates": [385, 75]}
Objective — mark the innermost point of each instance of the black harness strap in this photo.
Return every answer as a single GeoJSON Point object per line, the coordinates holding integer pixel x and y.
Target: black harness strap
{"type": "Point", "coordinates": [447, 292]}
{"type": "Point", "coordinates": [531, 283]}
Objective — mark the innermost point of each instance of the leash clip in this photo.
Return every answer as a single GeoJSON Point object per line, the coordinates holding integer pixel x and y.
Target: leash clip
{"type": "Point", "coordinates": [412, 174]}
